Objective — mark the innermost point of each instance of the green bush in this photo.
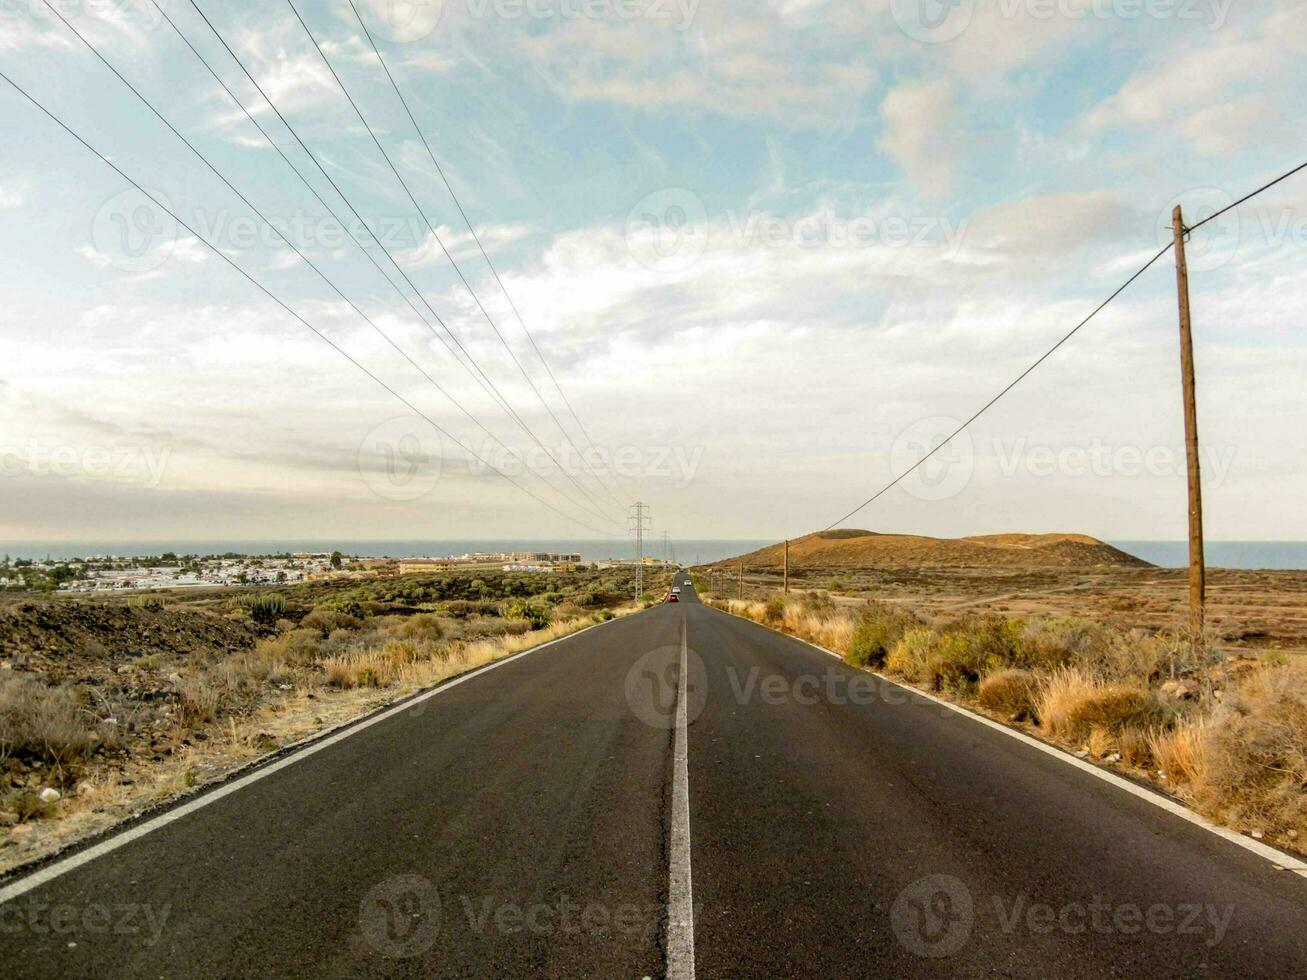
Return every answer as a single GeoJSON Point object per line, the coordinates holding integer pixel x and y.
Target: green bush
{"type": "Point", "coordinates": [326, 621]}
{"type": "Point", "coordinates": [878, 629]}
{"type": "Point", "coordinates": [263, 607]}
{"type": "Point", "coordinates": [774, 610]}
{"type": "Point", "coordinates": [423, 626]}
{"type": "Point", "coordinates": [536, 613]}
{"type": "Point", "coordinates": [146, 601]}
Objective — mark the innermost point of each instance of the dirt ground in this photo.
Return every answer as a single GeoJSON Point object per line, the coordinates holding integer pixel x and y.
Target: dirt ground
{"type": "Point", "coordinates": [1246, 610]}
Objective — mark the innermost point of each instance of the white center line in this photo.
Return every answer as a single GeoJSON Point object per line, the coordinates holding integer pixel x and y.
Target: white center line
{"type": "Point", "coordinates": [680, 901]}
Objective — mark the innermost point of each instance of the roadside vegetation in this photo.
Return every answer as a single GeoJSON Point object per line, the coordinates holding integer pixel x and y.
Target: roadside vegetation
{"type": "Point", "coordinates": [108, 707]}
{"type": "Point", "coordinates": [1227, 734]}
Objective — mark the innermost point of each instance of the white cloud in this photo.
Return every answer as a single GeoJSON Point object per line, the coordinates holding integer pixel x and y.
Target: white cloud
{"type": "Point", "coordinates": [1217, 93]}
{"type": "Point", "coordinates": [13, 195]}
{"type": "Point", "coordinates": [923, 134]}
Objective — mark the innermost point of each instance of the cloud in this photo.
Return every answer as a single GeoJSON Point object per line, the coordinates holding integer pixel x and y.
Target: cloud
{"type": "Point", "coordinates": [13, 195]}
{"type": "Point", "coordinates": [923, 134]}
{"type": "Point", "coordinates": [1217, 93]}
{"type": "Point", "coordinates": [746, 61]}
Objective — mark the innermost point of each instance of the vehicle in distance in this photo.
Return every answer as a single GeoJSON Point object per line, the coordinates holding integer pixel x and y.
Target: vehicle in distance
{"type": "Point", "coordinates": [676, 590]}
{"type": "Point", "coordinates": [673, 597]}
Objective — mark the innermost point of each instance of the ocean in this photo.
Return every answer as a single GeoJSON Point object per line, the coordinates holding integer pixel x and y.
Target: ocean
{"type": "Point", "coordinates": [1168, 554]}
{"type": "Point", "coordinates": [688, 552]}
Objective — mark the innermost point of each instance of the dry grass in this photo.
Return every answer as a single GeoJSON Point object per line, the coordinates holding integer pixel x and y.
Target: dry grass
{"type": "Point", "coordinates": [1011, 693]}
{"type": "Point", "coordinates": [1245, 764]}
{"type": "Point", "coordinates": [1073, 704]}
{"type": "Point", "coordinates": [1236, 750]}
{"type": "Point", "coordinates": [42, 721]}
{"type": "Point", "coordinates": [247, 705]}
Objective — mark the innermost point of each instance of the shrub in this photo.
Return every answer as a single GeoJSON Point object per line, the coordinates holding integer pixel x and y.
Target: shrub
{"type": "Point", "coordinates": [145, 601]}
{"type": "Point", "coordinates": [327, 620]}
{"type": "Point", "coordinates": [774, 610]}
{"type": "Point", "coordinates": [463, 608]}
{"type": "Point", "coordinates": [1133, 743]}
{"type": "Point", "coordinates": [263, 607]}
{"type": "Point", "coordinates": [877, 631]}
{"type": "Point", "coordinates": [536, 613]}
{"type": "Point", "coordinates": [422, 626]}
{"type": "Point", "coordinates": [1073, 703]}
{"type": "Point", "coordinates": [908, 656]}
{"type": "Point", "coordinates": [1010, 692]}
{"type": "Point", "coordinates": [43, 721]}
{"type": "Point", "coordinates": [1247, 766]}
{"type": "Point", "coordinates": [1061, 641]}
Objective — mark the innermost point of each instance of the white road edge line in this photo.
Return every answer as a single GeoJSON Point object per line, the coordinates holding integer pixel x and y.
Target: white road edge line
{"type": "Point", "coordinates": [1281, 860]}
{"type": "Point", "coordinates": [680, 899]}
{"type": "Point", "coordinates": [39, 877]}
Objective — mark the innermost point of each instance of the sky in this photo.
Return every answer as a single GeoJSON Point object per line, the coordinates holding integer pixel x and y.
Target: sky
{"type": "Point", "coordinates": [770, 253]}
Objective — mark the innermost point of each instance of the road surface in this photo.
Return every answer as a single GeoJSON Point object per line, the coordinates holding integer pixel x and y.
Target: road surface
{"type": "Point", "coordinates": [524, 823]}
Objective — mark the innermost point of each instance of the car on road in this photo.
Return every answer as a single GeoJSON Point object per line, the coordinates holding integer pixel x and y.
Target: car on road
{"type": "Point", "coordinates": [676, 590]}
{"type": "Point", "coordinates": [673, 597]}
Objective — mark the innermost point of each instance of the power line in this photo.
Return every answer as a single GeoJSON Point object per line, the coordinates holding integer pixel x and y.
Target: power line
{"type": "Point", "coordinates": [472, 292]}
{"type": "Point", "coordinates": [359, 245]}
{"type": "Point", "coordinates": [309, 262]}
{"type": "Point", "coordinates": [475, 237]}
{"type": "Point", "coordinates": [1248, 197]}
{"type": "Point", "coordinates": [474, 371]}
{"type": "Point", "coordinates": [1017, 380]}
{"type": "Point", "coordinates": [276, 299]}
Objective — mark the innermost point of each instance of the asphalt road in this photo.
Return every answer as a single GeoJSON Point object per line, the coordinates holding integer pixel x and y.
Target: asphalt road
{"type": "Point", "coordinates": [521, 824]}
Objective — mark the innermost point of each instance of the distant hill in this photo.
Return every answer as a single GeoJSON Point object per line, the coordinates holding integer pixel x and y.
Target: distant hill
{"type": "Point", "coordinates": [848, 548]}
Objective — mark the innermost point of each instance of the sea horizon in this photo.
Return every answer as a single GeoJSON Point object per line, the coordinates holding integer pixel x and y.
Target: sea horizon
{"type": "Point", "coordinates": [1267, 555]}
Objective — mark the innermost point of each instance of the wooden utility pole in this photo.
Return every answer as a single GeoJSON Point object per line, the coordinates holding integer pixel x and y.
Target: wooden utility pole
{"type": "Point", "coordinates": [787, 566]}
{"type": "Point", "coordinates": [1197, 565]}
{"type": "Point", "coordinates": [739, 582]}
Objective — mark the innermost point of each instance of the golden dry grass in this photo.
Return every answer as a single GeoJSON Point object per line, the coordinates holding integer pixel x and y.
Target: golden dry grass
{"type": "Point", "coordinates": [241, 730]}
{"type": "Point", "coordinates": [1240, 759]}
{"type": "Point", "coordinates": [1011, 693]}
{"type": "Point", "coordinates": [1073, 704]}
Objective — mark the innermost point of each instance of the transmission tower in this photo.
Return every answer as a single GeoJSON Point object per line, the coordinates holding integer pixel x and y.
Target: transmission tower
{"type": "Point", "coordinates": [639, 522]}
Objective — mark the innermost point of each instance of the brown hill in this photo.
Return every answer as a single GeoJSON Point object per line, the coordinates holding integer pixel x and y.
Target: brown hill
{"type": "Point", "coordinates": [850, 549]}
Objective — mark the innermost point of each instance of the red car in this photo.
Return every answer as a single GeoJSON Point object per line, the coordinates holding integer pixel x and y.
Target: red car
{"type": "Point", "coordinates": [673, 597]}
